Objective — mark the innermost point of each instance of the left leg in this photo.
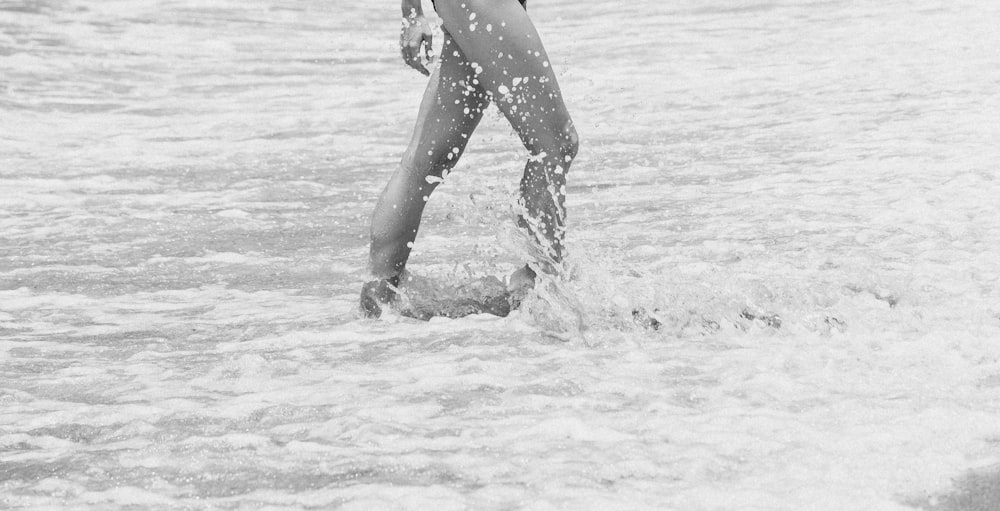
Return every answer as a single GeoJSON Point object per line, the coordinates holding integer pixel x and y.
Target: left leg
{"type": "Point", "coordinates": [513, 66]}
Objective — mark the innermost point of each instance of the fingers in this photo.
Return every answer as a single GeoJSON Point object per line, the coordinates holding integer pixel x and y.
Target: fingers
{"type": "Point", "coordinates": [407, 50]}
{"type": "Point", "coordinates": [411, 55]}
{"type": "Point", "coordinates": [429, 47]}
{"type": "Point", "coordinates": [415, 63]}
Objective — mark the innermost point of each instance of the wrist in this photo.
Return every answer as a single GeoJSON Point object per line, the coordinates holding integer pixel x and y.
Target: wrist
{"type": "Point", "coordinates": [412, 9]}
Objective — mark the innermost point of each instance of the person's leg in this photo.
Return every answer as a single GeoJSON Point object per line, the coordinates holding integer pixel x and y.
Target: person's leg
{"type": "Point", "coordinates": [451, 109]}
{"type": "Point", "coordinates": [507, 54]}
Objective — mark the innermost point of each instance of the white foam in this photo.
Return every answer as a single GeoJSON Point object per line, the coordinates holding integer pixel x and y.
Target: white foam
{"type": "Point", "coordinates": [803, 198]}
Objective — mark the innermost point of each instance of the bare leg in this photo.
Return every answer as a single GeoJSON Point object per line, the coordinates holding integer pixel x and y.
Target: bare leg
{"type": "Point", "coordinates": [491, 50]}
{"type": "Point", "coordinates": [449, 112]}
{"type": "Point", "coordinates": [507, 55]}
{"type": "Point", "coordinates": [451, 108]}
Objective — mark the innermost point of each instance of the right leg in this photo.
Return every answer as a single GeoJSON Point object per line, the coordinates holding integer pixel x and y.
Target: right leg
{"type": "Point", "coordinates": [451, 108]}
{"type": "Point", "coordinates": [449, 112]}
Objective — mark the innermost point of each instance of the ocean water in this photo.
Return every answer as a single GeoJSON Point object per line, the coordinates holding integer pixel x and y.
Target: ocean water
{"type": "Point", "coordinates": [802, 194]}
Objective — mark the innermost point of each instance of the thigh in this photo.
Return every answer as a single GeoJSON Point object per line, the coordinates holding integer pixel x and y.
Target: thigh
{"type": "Point", "coordinates": [505, 51]}
{"type": "Point", "coordinates": [451, 108]}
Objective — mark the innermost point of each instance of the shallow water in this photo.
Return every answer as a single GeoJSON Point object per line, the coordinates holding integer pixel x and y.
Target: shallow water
{"type": "Point", "coordinates": [804, 194]}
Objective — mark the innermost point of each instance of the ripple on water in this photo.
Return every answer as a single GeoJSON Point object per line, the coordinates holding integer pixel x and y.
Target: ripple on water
{"type": "Point", "coordinates": [800, 198]}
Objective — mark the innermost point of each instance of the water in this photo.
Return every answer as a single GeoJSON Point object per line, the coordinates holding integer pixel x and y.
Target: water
{"type": "Point", "coordinates": [804, 194]}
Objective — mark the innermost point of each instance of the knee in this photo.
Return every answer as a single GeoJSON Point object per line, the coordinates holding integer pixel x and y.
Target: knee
{"type": "Point", "coordinates": [436, 162]}
{"type": "Point", "coordinates": [571, 142]}
{"type": "Point", "coordinates": [441, 161]}
{"type": "Point", "coordinates": [561, 146]}
{"type": "Point", "coordinates": [557, 147]}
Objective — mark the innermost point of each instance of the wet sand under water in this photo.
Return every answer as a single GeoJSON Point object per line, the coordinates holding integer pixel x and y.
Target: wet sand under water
{"type": "Point", "coordinates": [803, 195]}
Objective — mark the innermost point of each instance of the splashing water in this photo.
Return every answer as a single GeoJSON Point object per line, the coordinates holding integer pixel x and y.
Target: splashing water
{"type": "Point", "coordinates": [783, 285]}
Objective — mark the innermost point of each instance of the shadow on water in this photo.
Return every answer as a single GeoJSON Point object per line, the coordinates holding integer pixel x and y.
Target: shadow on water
{"type": "Point", "coordinates": [975, 491]}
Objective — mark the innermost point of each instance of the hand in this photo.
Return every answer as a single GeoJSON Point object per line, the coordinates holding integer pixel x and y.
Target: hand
{"type": "Point", "coordinates": [416, 33]}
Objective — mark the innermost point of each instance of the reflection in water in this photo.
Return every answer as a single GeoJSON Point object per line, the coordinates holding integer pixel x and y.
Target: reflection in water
{"type": "Point", "coordinates": [801, 196]}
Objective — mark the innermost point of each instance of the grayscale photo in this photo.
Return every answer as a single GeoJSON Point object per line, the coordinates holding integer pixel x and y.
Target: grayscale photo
{"type": "Point", "coordinates": [451, 255]}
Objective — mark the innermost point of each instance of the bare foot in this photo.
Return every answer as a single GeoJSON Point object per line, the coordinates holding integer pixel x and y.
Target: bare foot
{"type": "Point", "coordinates": [518, 285]}
{"type": "Point", "coordinates": [378, 294]}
